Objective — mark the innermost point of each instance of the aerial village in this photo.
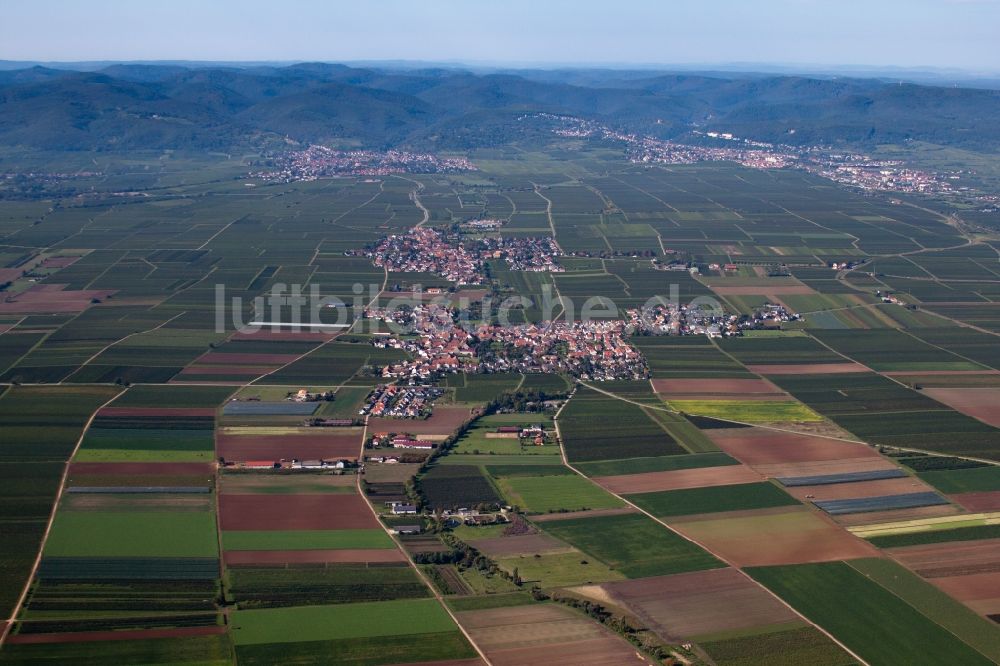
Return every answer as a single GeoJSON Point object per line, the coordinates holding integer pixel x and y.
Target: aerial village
{"type": "Point", "coordinates": [317, 162]}
{"type": "Point", "coordinates": [847, 168]}
{"type": "Point", "coordinates": [428, 250]}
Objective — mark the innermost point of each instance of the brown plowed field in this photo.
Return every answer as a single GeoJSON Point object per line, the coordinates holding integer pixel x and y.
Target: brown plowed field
{"type": "Point", "coordinates": [443, 421]}
{"type": "Point", "coordinates": [981, 501]}
{"type": "Point", "coordinates": [678, 479]}
{"type": "Point", "coordinates": [134, 634]}
{"type": "Point", "coordinates": [689, 604]}
{"type": "Point", "coordinates": [767, 537]}
{"type": "Point", "coordinates": [808, 368]}
{"type": "Point", "coordinates": [979, 403]}
{"type": "Point", "coordinates": [757, 446]}
{"type": "Point", "coordinates": [959, 558]}
{"type": "Point", "coordinates": [50, 298]}
{"type": "Point", "coordinates": [980, 591]}
{"type": "Point", "coordinates": [304, 447]}
{"type": "Point", "coordinates": [342, 556]}
{"type": "Point", "coordinates": [819, 467]}
{"type": "Point", "coordinates": [743, 387]}
{"type": "Point", "coordinates": [526, 544]}
{"type": "Point", "coordinates": [327, 511]}
{"type": "Point", "coordinates": [831, 491]}
{"type": "Point", "coordinates": [222, 358]}
{"type": "Point", "coordinates": [156, 411]}
{"type": "Point", "coordinates": [891, 516]}
{"type": "Point", "coordinates": [142, 469]}
{"type": "Point", "coordinates": [545, 635]}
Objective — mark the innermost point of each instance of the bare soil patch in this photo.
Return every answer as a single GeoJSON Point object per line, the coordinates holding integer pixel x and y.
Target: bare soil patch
{"type": "Point", "coordinates": [981, 501]}
{"type": "Point", "coordinates": [322, 511]}
{"type": "Point", "coordinates": [961, 558]}
{"type": "Point", "coordinates": [767, 537]}
{"type": "Point", "coordinates": [702, 602]}
{"type": "Point", "coordinates": [979, 403]}
{"type": "Point", "coordinates": [343, 556]}
{"type": "Point", "coordinates": [275, 447]}
{"type": "Point", "coordinates": [544, 635]}
{"type": "Point", "coordinates": [678, 479]}
{"type": "Point", "coordinates": [757, 446]}
{"type": "Point", "coordinates": [525, 544]}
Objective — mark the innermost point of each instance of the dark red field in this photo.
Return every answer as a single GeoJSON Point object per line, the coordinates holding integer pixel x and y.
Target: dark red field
{"type": "Point", "coordinates": [331, 511]}
{"type": "Point", "coordinates": [129, 635]}
{"type": "Point", "coordinates": [222, 358]}
{"type": "Point", "coordinates": [157, 411]}
{"type": "Point", "coordinates": [51, 298]}
{"type": "Point", "coordinates": [303, 447]}
{"type": "Point", "coordinates": [142, 468]}
{"type": "Point", "coordinates": [344, 556]}
{"type": "Point", "coordinates": [982, 501]}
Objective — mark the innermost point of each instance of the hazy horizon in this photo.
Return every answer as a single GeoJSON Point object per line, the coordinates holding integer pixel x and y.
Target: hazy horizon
{"type": "Point", "coordinates": [799, 34]}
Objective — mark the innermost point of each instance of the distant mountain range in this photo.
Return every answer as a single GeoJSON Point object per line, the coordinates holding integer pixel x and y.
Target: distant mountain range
{"type": "Point", "coordinates": [180, 106]}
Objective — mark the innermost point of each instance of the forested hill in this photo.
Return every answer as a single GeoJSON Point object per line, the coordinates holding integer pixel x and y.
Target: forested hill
{"type": "Point", "coordinates": [172, 106]}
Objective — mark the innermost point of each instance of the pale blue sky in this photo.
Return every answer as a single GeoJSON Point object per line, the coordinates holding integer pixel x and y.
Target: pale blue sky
{"type": "Point", "coordinates": [909, 33]}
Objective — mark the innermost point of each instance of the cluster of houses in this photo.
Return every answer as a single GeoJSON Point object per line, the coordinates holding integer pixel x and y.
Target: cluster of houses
{"type": "Point", "coordinates": [595, 350]}
{"type": "Point", "coordinates": [317, 162]}
{"type": "Point", "coordinates": [399, 441]}
{"type": "Point", "coordinates": [770, 315]}
{"type": "Point", "coordinates": [401, 402]}
{"type": "Point", "coordinates": [288, 464]}
{"type": "Point", "coordinates": [536, 434]}
{"type": "Point", "coordinates": [425, 250]}
{"type": "Point", "coordinates": [481, 224]}
{"type": "Point", "coordinates": [534, 255]}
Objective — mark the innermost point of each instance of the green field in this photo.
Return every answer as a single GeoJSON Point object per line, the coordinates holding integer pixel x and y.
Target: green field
{"type": "Point", "coordinates": [132, 534]}
{"type": "Point", "coordinates": [363, 620]}
{"type": "Point", "coordinates": [869, 619]}
{"type": "Point", "coordinates": [740, 497]}
{"type": "Point", "coordinates": [661, 464]}
{"type": "Point", "coordinates": [542, 494]}
{"type": "Point", "coordinates": [957, 618]}
{"type": "Point", "coordinates": [199, 650]}
{"type": "Point", "coordinates": [980, 479]}
{"type": "Point", "coordinates": [634, 544]}
{"type": "Point", "coordinates": [560, 569]}
{"type": "Point", "coordinates": [790, 647]}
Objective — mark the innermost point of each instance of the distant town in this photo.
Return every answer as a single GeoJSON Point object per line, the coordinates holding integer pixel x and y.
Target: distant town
{"type": "Point", "coordinates": [318, 161]}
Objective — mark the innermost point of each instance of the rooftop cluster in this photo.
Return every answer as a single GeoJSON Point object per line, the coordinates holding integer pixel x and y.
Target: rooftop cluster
{"type": "Point", "coordinates": [320, 161]}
